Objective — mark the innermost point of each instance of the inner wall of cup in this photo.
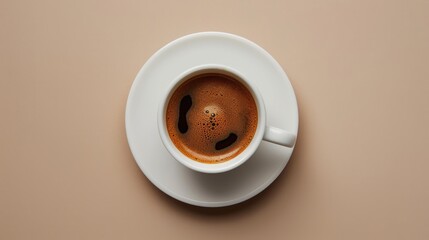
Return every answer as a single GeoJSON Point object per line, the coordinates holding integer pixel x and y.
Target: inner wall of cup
{"type": "Point", "coordinates": [261, 120]}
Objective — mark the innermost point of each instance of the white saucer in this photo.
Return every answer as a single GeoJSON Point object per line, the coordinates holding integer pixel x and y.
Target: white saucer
{"type": "Point", "coordinates": [209, 190]}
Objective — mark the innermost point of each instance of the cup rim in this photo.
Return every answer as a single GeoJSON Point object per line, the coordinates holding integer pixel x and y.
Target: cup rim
{"type": "Point", "coordinates": [206, 167]}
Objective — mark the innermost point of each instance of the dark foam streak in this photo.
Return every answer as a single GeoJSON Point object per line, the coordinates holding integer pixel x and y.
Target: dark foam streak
{"type": "Point", "coordinates": [226, 142]}
{"type": "Point", "coordinates": [185, 105]}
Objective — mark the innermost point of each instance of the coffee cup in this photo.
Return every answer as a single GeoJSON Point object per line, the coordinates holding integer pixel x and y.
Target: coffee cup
{"type": "Point", "coordinates": [246, 147]}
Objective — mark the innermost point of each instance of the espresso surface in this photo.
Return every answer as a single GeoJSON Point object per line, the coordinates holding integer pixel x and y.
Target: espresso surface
{"type": "Point", "coordinates": [211, 118]}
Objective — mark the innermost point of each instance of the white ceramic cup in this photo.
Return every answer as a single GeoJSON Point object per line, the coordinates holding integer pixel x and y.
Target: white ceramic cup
{"type": "Point", "coordinates": [263, 132]}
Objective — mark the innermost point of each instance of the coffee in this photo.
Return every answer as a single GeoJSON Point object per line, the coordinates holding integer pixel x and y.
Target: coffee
{"type": "Point", "coordinates": [211, 118]}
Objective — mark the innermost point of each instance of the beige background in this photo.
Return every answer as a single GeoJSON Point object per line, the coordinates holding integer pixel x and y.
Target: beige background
{"type": "Point", "coordinates": [360, 70]}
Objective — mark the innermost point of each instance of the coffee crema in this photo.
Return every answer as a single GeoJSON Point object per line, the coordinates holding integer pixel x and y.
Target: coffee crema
{"type": "Point", "coordinates": [211, 118]}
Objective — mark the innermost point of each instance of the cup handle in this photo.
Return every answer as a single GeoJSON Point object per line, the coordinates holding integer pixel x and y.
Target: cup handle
{"type": "Point", "coordinates": [279, 136]}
